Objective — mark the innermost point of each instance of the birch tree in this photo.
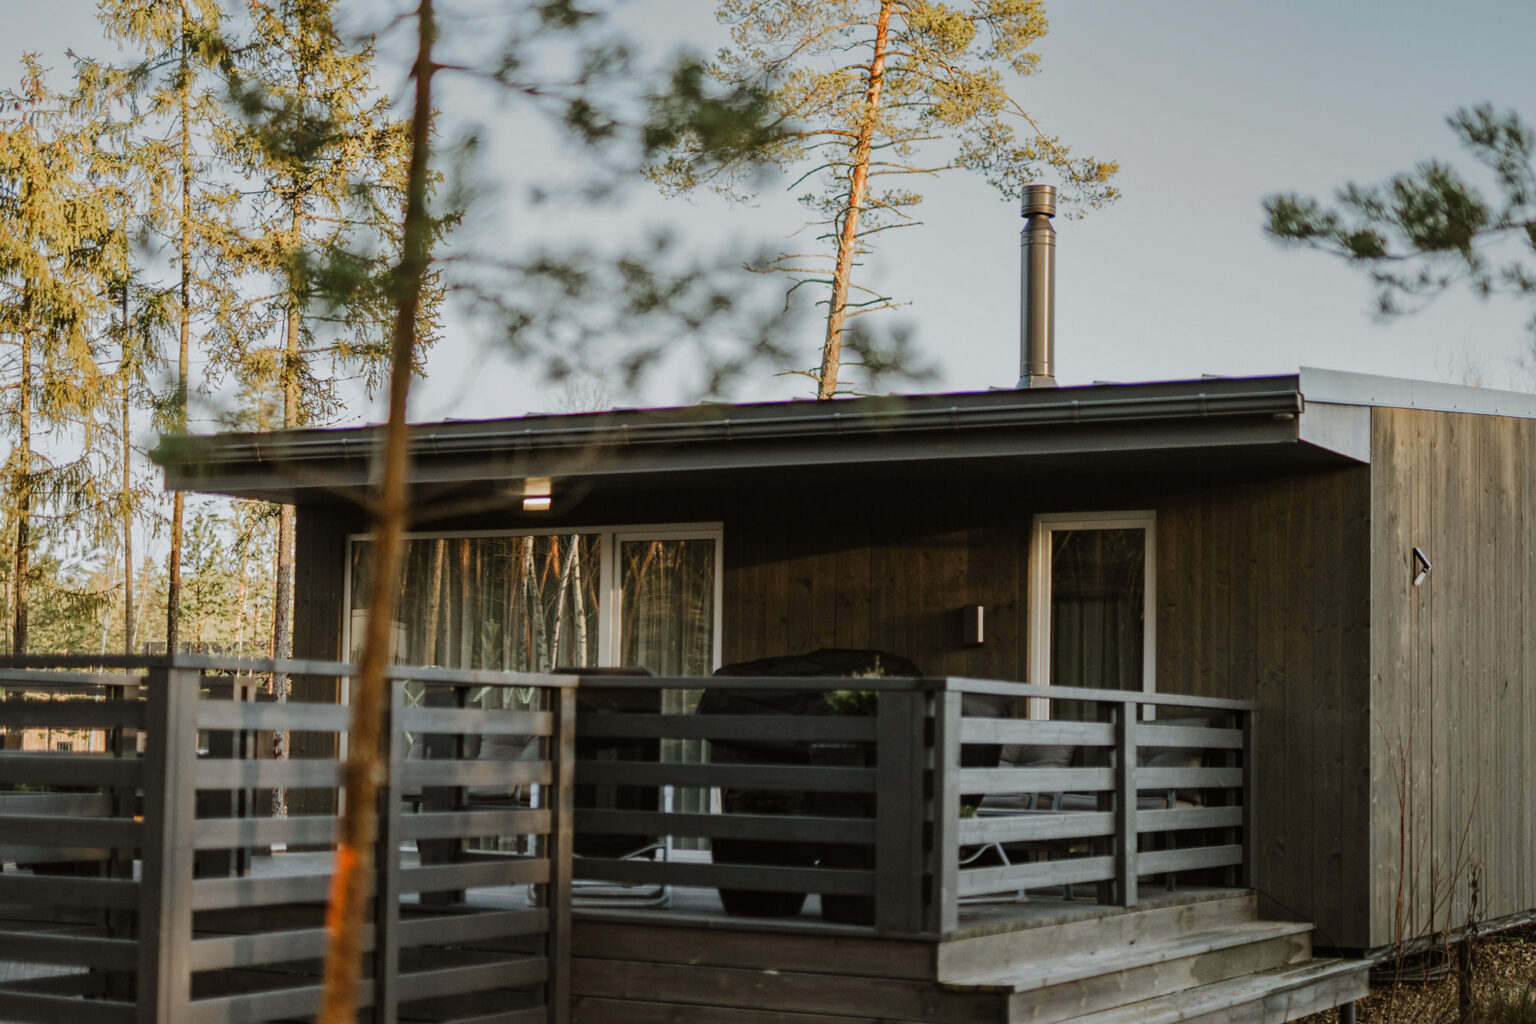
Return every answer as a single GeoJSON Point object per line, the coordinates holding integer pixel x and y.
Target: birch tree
{"type": "Point", "coordinates": [874, 94]}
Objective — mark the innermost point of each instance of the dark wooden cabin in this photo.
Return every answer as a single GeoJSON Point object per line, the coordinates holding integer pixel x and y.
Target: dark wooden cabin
{"type": "Point", "coordinates": [1263, 532]}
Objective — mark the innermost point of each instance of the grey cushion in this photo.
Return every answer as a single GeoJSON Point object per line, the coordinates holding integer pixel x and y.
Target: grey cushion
{"type": "Point", "coordinates": [1037, 755]}
{"type": "Point", "coordinates": [1151, 755]}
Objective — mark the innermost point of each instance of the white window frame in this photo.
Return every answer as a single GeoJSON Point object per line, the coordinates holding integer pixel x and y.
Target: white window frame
{"type": "Point", "coordinates": [1040, 549]}
{"type": "Point", "coordinates": [608, 583]}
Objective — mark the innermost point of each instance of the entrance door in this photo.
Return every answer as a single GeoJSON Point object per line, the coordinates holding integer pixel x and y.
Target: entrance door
{"type": "Point", "coordinates": [1093, 600]}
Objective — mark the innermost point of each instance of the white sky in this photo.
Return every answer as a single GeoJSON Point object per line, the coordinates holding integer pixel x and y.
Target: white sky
{"type": "Point", "coordinates": [1208, 106]}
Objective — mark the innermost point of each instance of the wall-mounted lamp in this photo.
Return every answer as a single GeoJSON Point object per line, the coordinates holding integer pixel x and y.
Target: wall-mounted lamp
{"type": "Point", "coordinates": [1421, 566]}
{"type": "Point", "coordinates": [973, 625]}
{"type": "Point", "coordinates": [536, 494]}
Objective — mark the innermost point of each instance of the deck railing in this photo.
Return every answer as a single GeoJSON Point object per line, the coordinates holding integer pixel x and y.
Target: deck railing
{"type": "Point", "coordinates": [133, 890]}
{"type": "Point", "coordinates": [904, 800]}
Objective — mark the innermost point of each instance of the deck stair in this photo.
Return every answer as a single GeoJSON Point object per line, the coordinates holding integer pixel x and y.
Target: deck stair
{"type": "Point", "coordinates": [1211, 961]}
{"type": "Point", "coordinates": [1191, 956]}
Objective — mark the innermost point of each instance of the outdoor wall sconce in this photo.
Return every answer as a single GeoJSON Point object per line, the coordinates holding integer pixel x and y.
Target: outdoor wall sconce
{"type": "Point", "coordinates": [973, 622]}
{"type": "Point", "coordinates": [536, 494]}
{"type": "Point", "coordinates": [1421, 566]}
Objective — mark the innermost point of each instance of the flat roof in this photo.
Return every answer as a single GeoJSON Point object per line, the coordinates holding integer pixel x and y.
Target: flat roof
{"type": "Point", "coordinates": [1310, 418]}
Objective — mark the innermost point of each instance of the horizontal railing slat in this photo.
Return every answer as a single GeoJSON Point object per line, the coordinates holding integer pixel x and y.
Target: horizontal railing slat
{"type": "Point", "coordinates": [790, 777]}
{"type": "Point", "coordinates": [482, 721]}
{"type": "Point", "coordinates": [69, 950]}
{"type": "Point", "coordinates": [494, 871]}
{"type": "Point", "coordinates": [1189, 778]}
{"type": "Point", "coordinates": [299, 830]}
{"type": "Point", "coordinates": [102, 893]}
{"type": "Point", "coordinates": [473, 773]}
{"type": "Point", "coordinates": [1039, 875]}
{"type": "Point", "coordinates": [1037, 826]}
{"type": "Point", "coordinates": [262, 948]}
{"type": "Point", "coordinates": [1153, 862]}
{"type": "Point", "coordinates": [1155, 736]}
{"type": "Point", "coordinates": [774, 728]}
{"type": "Point", "coordinates": [40, 830]}
{"type": "Point", "coordinates": [461, 928]}
{"type": "Point", "coordinates": [49, 769]}
{"type": "Point", "coordinates": [731, 826]}
{"type": "Point", "coordinates": [1036, 731]}
{"type": "Point", "coordinates": [1036, 780]}
{"type": "Point", "coordinates": [300, 1001]}
{"type": "Point", "coordinates": [85, 682]}
{"type": "Point", "coordinates": [451, 981]}
{"type": "Point", "coordinates": [465, 824]}
{"type": "Point", "coordinates": [1189, 817]}
{"type": "Point", "coordinates": [728, 876]}
{"type": "Point", "coordinates": [72, 714]}
{"type": "Point", "coordinates": [23, 1007]}
{"type": "Point", "coordinates": [296, 717]}
{"type": "Point", "coordinates": [223, 893]}
{"type": "Point", "coordinates": [296, 773]}
{"type": "Point", "coordinates": [95, 805]}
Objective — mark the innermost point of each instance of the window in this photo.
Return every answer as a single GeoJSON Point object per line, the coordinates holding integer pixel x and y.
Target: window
{"type": "Point", "coordinates": [1093, 600]}
{"type": "Point", "coordinates": [535, 602]}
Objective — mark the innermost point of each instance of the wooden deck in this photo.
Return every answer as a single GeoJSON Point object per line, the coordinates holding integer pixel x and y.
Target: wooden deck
{"type": "Point", "coordinates": [1041, 960]}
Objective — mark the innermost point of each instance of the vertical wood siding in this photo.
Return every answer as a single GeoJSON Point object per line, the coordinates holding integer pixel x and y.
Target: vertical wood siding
{"type": "Point", "coordinates": [1451, 660]}
{"type": "Point", "coordinates": [1262, 595]}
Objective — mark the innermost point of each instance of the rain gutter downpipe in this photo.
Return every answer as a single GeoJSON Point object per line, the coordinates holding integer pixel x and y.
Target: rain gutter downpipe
{"type": "Point", "coordinates": [1037, 289]}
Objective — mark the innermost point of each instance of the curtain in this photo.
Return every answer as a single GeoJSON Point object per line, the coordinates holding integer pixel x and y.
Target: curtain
{"type": "Point", "coordinates": [1098, 591]}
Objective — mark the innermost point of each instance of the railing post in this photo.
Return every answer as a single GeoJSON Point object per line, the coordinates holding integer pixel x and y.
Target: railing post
{"type": "Point", "coordinates": [901, 759]}
{"type": "Point", "coordinates": [170, 811]}
{"type": "Point", "coordinates": [1246, 877]}
{"type": "Point", "coordinates": [558, 850]}
{"type": "Point", "coordinates": [386, 910]}
{"type": "Point", "coordinates": [946, 811]}
{"type": "Point", "coordinates": [1125, 802]}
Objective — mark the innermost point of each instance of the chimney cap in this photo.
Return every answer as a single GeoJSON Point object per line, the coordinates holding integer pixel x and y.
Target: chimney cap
{"type": "Point", "coordinates": [1039, 199]}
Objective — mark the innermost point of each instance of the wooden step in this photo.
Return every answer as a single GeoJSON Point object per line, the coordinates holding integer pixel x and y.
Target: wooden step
{"type": "Point", "coordinates": [1072, 984]}
{"type": "Point", "coordinates": [1087, 931]}
{"type": "Point", "coordinates": [1269, 997]}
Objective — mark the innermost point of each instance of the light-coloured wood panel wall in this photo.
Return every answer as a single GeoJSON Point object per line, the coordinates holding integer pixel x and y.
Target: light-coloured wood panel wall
{"type": "Point", "coordinates": [1451, 664]}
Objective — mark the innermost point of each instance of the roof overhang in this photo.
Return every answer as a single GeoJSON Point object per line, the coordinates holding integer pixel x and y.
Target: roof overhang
{"type": "Point", "coordinates": [1252, 422]}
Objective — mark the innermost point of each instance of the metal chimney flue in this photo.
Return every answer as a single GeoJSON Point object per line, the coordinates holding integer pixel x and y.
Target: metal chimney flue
{"type": "Point", "coordinates": [1037, 289]}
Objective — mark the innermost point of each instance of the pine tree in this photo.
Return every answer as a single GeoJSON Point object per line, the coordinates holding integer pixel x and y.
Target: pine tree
{"type": "Point", "coordinates": [182, 52]}
{"type": "Point", "coordinates": [139, 315]}
{"type": "Point", "coordinates": [1422, 232]}
{"type": "Point", "coordinates": [866, 90]}
{"type": "Point", "coordinates": [54, 262]}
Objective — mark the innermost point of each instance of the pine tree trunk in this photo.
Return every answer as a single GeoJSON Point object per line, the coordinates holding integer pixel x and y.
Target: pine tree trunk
{"type": "Point", "coordinates": [178, 503]}
{"type": "Point", "coordinates": [21, 565]}
{"type": "Point", "coordinates": [128, 608]}
{"type": "Point", "coordinates": [354, 875]}
{"type": "Point", "coordinates": [282, 586]}
{"type": "Point", "coordinates": [858, 185]}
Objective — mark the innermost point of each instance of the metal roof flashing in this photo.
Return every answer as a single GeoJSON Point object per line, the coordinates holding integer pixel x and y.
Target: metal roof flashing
{"type": "Point", "coordinates": [1340, 387]}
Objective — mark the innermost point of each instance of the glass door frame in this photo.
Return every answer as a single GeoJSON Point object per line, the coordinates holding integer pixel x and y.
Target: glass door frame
{"type": "Point", "coordinates": [1040, 550]}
